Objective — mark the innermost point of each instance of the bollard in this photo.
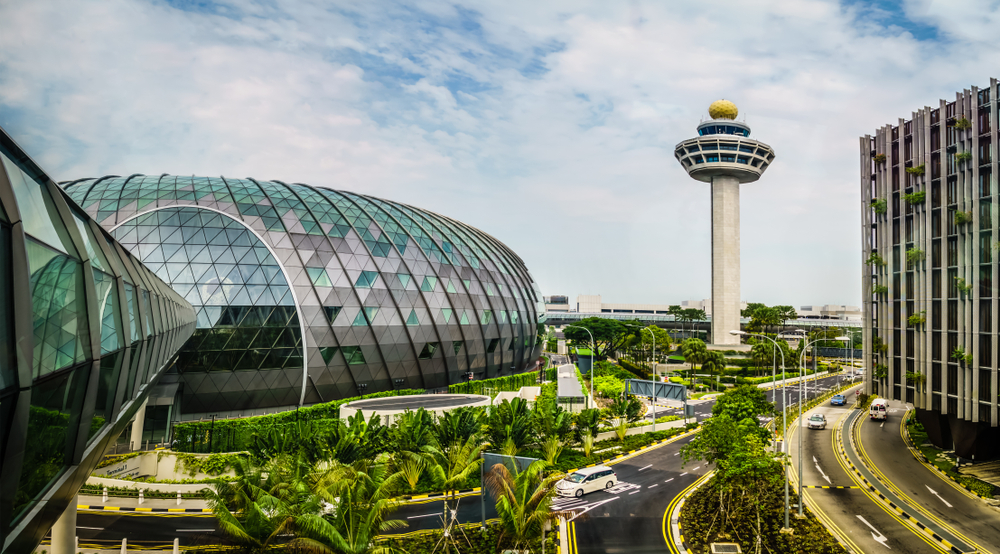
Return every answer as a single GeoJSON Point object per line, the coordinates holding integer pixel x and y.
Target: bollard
{"type": "Point", "coordinates": [177, 546]}
{"type": "Point", "coordinates": [105, 494]}
{"type": "Point", "coordinates": [140, 496]}
{"type": "Point", "coordinates": [178, 498]}
{"type": "Point", "coordinates": [124, 546]}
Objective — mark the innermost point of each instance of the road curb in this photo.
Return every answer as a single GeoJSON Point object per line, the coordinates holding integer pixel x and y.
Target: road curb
{"type": "Point", "coordinates": [632, 453]}
{"type": "Point", "coordinates": [90, 508]}
{"type": "Point", "coordinates": [923, 460]}
{"type": "Point", "coordinates": [869, 487]}
{"type": "Point", "coordinates": [676, 542]}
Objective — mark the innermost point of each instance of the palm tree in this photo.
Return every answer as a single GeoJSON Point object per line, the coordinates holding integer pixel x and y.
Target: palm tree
{"type": "Point", "coordinates": [524, 503]}
{"type": "Point", "coordinates": [451, 467]}
{"type": "Point", "coordinates": [508, 426]}
{"type": "Point", "coordinates": [459, 425]}
{"type": "Point", "coordinates": [412, 430]}
{"type": "Point", "coordinates": [263, 502]}
{"type": "Point", "coordinates": [694, 353]}
{"type": "Point", "coordinates": [358, 499]}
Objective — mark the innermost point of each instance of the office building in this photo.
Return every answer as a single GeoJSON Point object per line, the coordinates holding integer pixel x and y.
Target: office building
{"type": "Point", "coordinates": [930, 249]}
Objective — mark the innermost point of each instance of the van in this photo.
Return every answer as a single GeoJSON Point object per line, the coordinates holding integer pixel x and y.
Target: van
{"type": "Point", "coordinates": [586, 480]}
{"type": "Point", "coordinates": [879, 408]}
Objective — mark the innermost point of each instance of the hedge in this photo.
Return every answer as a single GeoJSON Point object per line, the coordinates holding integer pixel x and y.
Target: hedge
{"type": "Point", "coordinates": [234, 435]}
{"type": "Point", "coordinates": [640, 372]}
{"type": "Point", "coordinates": [497, 384]}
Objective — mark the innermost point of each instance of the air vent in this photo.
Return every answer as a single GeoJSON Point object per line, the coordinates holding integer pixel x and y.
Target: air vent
{"type": "Point", "coordinates": [726, 548]}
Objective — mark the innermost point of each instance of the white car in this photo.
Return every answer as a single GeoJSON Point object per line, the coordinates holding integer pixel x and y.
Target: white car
{"type": "Point", "coordinates": [587, 480]}
{"type": "Point", "coordinates": [817, 421]}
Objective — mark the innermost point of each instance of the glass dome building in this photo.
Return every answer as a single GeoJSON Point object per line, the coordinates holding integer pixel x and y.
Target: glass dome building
{"type": "Point", "coordinates": [307, 294]}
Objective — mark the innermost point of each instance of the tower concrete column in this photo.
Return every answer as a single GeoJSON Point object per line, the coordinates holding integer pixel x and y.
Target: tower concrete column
{"type": "Point", "coordinates": [64, 530]}
{"type": "Point", "coordinates": [725, 259]}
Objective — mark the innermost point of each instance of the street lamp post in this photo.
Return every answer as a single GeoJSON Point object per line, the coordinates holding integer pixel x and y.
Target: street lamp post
{"type": "Point", "coordinates": [654, 377]}
{"type": "Point", "coordinates": [593, 346]}
{"type": "Point", "coordinates": [802, 380]}
{"type": "Point", "coordinates": [784, 402]}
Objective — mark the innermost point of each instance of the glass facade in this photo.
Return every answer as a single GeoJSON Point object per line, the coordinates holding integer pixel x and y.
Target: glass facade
{"type": "Point", "coordinates": [307, 294]}
{"type": "Point", "coordinates": [83, 360]}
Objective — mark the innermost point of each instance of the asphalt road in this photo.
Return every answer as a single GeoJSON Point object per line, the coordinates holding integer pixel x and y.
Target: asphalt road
{"type": "Point", "coordinates": [632, 517]}
{"type": "Point", "coordinates": [938, 499]}
{"type": "Point", "coordinates": [865, 525]}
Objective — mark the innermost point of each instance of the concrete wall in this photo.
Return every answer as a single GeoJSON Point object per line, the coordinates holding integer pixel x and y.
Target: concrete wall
{"type": "Point", "coordinates": [346, 411]}
{"type": "Point", "coordinates": [160, 464]}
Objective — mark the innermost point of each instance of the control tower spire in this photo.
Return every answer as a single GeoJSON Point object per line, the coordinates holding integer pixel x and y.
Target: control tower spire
{"type": "Point", "coordinates": [723, 154]}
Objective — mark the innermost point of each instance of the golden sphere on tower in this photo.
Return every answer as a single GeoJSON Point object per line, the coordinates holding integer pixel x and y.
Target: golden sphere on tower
{"type": "Point", "coordinates": [723, 109]}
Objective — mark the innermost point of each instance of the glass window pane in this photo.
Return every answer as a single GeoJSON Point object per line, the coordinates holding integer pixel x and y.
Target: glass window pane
{"type": "Point", "coordinates": [111, 323]}
{"type": "Point", "coordinates": [7, 373]}
{"type": "Point", "coordinates": [59, 314]}
{"type": "Point", "coordinates": [38, 213]}
{"type": "Point", "coordinates": [93, 249]}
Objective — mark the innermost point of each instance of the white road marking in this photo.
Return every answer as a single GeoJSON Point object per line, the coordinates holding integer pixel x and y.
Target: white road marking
{"type": "Point", "coordinates": [656, 485]}
{"type": "Point", "coordinates": [635, 492]}
{"type": "Point", "coordinates": [683, 474]}
{"type": "Point", "coordinates": [91, 528]}
{"type": "Point", "coordinates": [591, 507]}
{"type": "Point", "coordinates": [195, 530]}
{"type": "Point", "coordinates": [669, 480]}
{"type": "Point", "coordinates": [696, 469]}
{"type": "Point", "coordinates": [425, 515]}
{"type": "Point", "coordinates": [815, 461]}
{"type": "Point", "coordinates": [878, 537]}
{"type": "Point", "coordinates": [934, 492]}
{"type": "Point", "coordinates": [646, 467]}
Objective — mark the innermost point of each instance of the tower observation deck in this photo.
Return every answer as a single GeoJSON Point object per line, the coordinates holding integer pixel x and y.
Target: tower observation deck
{"type": "Point", "coordinates": [723, 154]}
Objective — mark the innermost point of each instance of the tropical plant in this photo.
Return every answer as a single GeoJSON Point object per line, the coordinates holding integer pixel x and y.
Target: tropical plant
{"type": "Point", "coordinates": [915, 198]}
{"type": "Point", "coordinates": [879, 158]}
{"type": "Point", "coordinates": [552, 447]}
{"type": "Point", "coordinates": [609, 334]}
{"type": "Point", "coordinates": [961, 218]}
{"type": "Point", "coordinates": [875, 260]}
{"type": "Point", "coordinates": [963, 123]}
{"type": "Point", "coordinates": [880, 290]}
{"type": "Point", "coordinates": [411, 465]}
{"type": "Point", "coordinates": [695, 352]}
{"type": "Point", "coordinates": [587, 423]}
{"type": "Point", "coordinates": [914, 255]}
{"type": "Point", "coordinates": [359, 499]}
{"type": "Point", "coordinates": [918, 379]}
{"type": "Point", "coordinates": [588, 445]}
{"type": "Point", "coordinates": [878, 344]}
{"type": "Point", "coordinates": [451, 467]}
{"type": "Point", "coordinates": [627, 409]}
{"type": "Point", "coordinates": [963, 156]}
{"type": "Point", "coordinates": [261, 504]}
{"type": "Point", "coordinates": [508, 426]}
{"type": "Point", "coordinates": [412, 430]}
{"type": "Point", "coordinates": [963, 287]}
{"type": "Point", "coordinates": [880, 205]}
{"type": "Point", "coordinates": [524, 503]}
{"type": "Point", "coordinates": [916, 170]}
{"type": "Point", "coordinates": [459, 425]}
{"type": "Point", "coordinates": [917, 319]}
{"type": "Point", "coordinates": [960, 355]}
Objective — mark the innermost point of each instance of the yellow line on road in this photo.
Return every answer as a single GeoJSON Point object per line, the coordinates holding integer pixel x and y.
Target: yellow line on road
{"type": "Point", "coordinates": [670, 509]}
{"type": "Point", "coordinates": [940, 474]}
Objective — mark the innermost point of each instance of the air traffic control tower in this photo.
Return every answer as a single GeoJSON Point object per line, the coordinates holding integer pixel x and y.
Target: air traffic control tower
{"type": "Point", "coordinates": [723, 154]}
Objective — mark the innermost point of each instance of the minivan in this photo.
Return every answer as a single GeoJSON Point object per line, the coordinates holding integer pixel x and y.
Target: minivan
{"type": "Point", "coordinates": [879, 409]}
{"type": "Point", "coordinates": [586, 480]}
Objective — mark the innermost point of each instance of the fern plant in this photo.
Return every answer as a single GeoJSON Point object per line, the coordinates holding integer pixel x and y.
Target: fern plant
{"type": "Point", "coordinates": [961, 218]}
{"type": "Point", "coordinates": [917, 319]}
{"type": "Point", "coordinates": [879, 158]}
{"type": "Point", "coordinates": [963, 287]}
{"type": "Point", "coordinates": [916, 170]}
{"type": "Point", "coordinates": [880, 205]}
{"type": "Point", "coordinates": [915, 198]}
{"type": "Point", "coordinates": [880, 290]}
{"type": "Point", "coordinates": [963, 123]}
{"type": "Point", "coordinates": [963, 156]}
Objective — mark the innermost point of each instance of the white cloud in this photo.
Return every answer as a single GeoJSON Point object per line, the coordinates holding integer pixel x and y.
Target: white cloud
{"type": "Point", "coordinates": [550, 125]}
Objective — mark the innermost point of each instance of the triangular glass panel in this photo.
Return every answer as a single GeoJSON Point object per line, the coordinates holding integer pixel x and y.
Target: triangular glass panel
{"type": "Point", "coordinates": [412, 318]}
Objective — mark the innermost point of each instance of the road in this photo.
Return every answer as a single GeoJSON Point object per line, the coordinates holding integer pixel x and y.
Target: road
{"type": "Point", "coordinates": [943, 502]}
{"type": "Point", "coordinates": [864, 525]}
{"type": "Point", "coordinates": [652, 479]}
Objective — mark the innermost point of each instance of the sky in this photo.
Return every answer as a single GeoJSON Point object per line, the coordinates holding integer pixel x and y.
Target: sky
{"type": "Point", "coordinates": [550, 125]}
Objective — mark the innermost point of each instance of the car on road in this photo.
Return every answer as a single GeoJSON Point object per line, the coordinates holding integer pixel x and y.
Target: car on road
{"type": "Point", "coordinates": [838, 400]}
{"type": "Point", "coordinates": [586, 480]}
{"type": "Point", "coordinates": [879, 409]}
{"type": "Point", "coordinates": [817, 421]}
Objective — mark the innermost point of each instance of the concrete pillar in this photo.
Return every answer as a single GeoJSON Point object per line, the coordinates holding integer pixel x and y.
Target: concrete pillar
{"type": "Point", "coordinates": [64, 530]}
{"type": "Point", "coordinates": [725, 259]}
{"type": "Point", "coordinates": [135, 442]}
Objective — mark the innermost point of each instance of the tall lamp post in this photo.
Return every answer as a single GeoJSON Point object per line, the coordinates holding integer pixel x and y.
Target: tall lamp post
{"type": "Point", "coordinates": [654, 376]}
{"type": "Point", "coordinates": [593, 346]}
{"type": "Point", "coordinates": [802, 380]}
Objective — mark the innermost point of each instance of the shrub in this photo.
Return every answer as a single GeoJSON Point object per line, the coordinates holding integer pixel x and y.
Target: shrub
{"type": "Point", "coordinates": [915, 198]}
{"type": "Point", "coordinates": [880, 205]}
{"type": "Point", "coordinates": [913, 256]}
{"type": "Point", "coordinates": [497, 384]}
{"type": "Point", "coordinates": [963, 123]}
{"type": "Point", "coordinates": [961, 218]}
{"type": "Point", "coordinates": [963, 156]}
{"type": "Point", "coordinates": [917, 319]}
{"type": "Point", "coordinates": [916, 170]}
{"type": "Point", "coordinates": [880, 289]}
{"type": "Point", "coordinates": [875, 260]}
{"type": "Point", "coordinates": [879, 158]}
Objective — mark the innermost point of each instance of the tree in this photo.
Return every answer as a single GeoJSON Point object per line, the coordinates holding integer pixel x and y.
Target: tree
{"type": "Point", "coordinates": [762, 352]}
{"type": "Point", "coordinates": [451, 468]}
{"type": "Point", "coordinates": [714, 362]}
{"type": "Point", "coordinates": [412, 430]}
{"type": "Point", "coordinates": [524, 503]}
{"type": "Point", "coordinates": [508, 426]}
{"type": "Point", "coordinates": [745, 403]}
{"type": "Point", "coordinates": [786, 313]}
{"type": "Point", "coordinates": [695, 352]}
{"type": "Point", "coordinates": [361, 495]}
{"type": "Point", "coordinates": [609, 334]}
{"type": "Point", "coordinates": [587, 423]}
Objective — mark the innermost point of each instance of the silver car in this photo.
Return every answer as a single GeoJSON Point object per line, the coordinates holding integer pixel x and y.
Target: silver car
{"type": "Point", "coordinates": [817, 421]}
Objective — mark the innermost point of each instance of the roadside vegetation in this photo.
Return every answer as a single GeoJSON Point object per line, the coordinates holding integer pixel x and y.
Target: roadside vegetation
{"type": "Point", "coordinates": [946, 463]}
{"type": "Point", "coordinates": [743, 502]}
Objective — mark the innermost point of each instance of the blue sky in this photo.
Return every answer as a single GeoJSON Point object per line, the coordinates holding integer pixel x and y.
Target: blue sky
{"type": "Point", "coordinates": [550, 125]}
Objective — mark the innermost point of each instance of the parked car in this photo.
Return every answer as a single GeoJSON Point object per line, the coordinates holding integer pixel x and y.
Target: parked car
{"type": "Point", "coordinates": [586, 480]}
{"type": "Point", "coordinates": [879, 409]}
{"type": "Point", "coordinates": [838, 400]}
{"type": "Point", "coordinates": [817, 421]}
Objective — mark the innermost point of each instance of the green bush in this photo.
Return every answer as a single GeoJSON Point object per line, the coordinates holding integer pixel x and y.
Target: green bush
{"type": "Point", "coordinates": [638, 372]}
{"type": "Point", "coordinates": [235, 435]}
{"type": "Point", "coordinates": [497, 384]}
